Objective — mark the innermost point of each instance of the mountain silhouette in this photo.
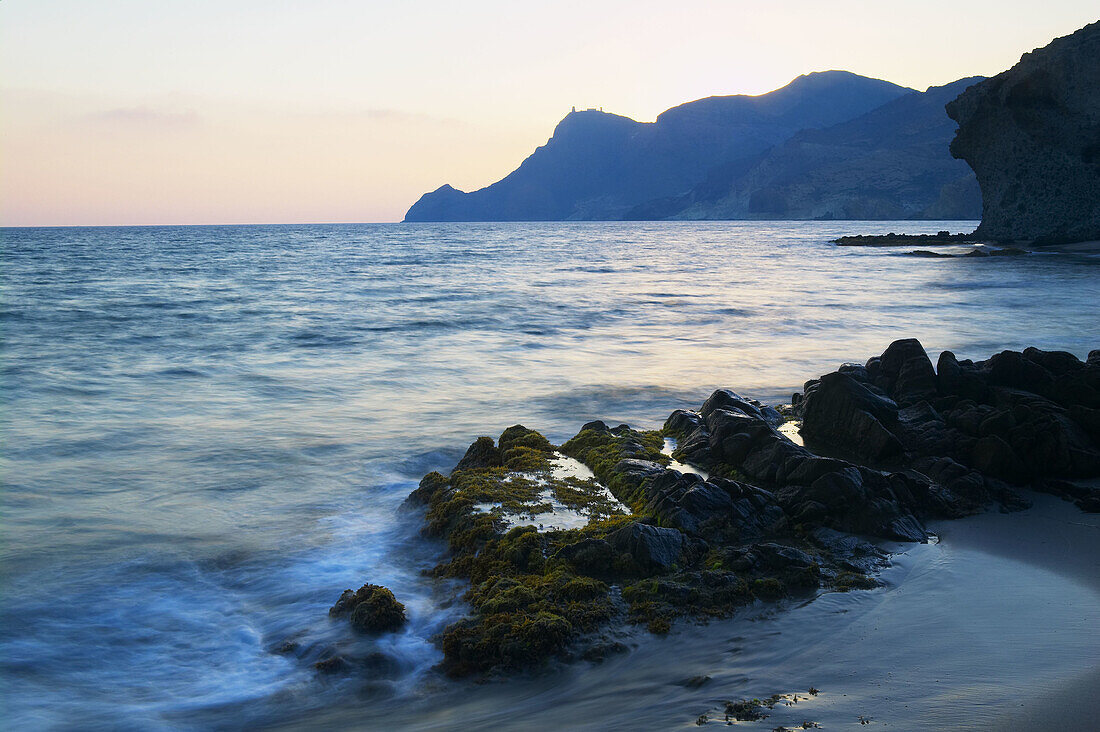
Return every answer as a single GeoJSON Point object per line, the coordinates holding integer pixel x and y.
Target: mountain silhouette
{"type": "Point", "coordinates": [601, 166]}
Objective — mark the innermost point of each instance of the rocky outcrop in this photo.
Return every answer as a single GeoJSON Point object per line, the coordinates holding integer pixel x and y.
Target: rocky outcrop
{"type": "Point", "coordinates": [744, 514]}
{"type": "Point", "coordinates": [1015, 418]}
{"type": "Point", "coordinates": [1032, 136]}
{"type": "Point", "coordinates": [372, 609]}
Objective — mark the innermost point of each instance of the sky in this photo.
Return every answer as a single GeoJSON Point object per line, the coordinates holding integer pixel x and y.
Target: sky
{"type": "Point", "coordinates": [124, 112]}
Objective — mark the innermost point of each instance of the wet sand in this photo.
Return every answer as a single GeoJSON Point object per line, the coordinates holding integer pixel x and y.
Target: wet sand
{"type": "Point", "coordinates": [1071, 547]}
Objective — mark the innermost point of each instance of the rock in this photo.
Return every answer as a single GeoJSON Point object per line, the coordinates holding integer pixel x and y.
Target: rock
{"type": "Point", "coordinates": [994, 456]}
{"type": "Point", "coordinates": [481, 454]}
{"type": "Point", "coordinates": [683, 422]}
{"type": "Point", "coordinates": [858, 555]}
{"type": "Point", "coordinates": [634, 472]}
{"type": "Point", "coordinates": [732, 401]}
{"type": "Point", "coordinates": [373, 609]}
{"type": "Point", "coordinates": [599, 652]}
{"type": "Point", "coordinates": [841, 412]}
{"type": "Point", "coordinates": [650, 546]}
{"type": "Point", "coordinates": [430, 484]}
{"type": "Point", "coordinates": [593, 557]}
{"type": "Point", "coordinates": [1012, 369]}
{"type": "Point", "coordinates": [905, 372]}
{"type": "Point", "coordinates": [1030, 134]}
{"type": "Point", "coordinates": [332, 665]}
{"type": "Point", "coordinates": [929, 254]}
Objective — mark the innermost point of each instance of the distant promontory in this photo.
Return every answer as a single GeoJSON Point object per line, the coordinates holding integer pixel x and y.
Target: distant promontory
{"type": "Point", "coordinates": [828, 145]}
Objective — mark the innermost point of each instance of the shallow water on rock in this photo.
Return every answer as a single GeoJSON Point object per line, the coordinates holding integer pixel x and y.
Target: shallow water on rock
{"type": "Point", "coordinates": [208, 432]}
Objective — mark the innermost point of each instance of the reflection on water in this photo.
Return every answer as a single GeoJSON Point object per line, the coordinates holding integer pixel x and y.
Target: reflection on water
{"type": "Point", "coordinates": [208, 431]}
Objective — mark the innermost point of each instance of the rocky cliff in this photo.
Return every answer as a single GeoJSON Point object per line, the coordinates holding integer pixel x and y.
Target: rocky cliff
{"type": "Point", "coordinates": [1032, 136]}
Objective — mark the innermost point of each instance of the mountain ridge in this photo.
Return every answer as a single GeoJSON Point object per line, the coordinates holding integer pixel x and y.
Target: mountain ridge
{"type": "Point", "coordinates": [599, 165]}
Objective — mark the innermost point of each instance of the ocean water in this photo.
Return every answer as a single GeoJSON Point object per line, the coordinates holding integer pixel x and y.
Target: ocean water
{"type": "Point", "coordinates": [208, 431]}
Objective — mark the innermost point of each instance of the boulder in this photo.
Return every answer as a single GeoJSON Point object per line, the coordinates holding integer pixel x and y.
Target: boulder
{"type": "Point", "coordinates": [651, 547]}
{"type": "Point", "coordinates": [373, 609]}
{"type": "Point", "coordinates": [905, 372]}
{"type": "Point", "coordinates": [841, 412]}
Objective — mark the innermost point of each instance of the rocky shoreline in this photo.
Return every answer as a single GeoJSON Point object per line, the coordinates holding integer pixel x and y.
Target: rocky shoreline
{"type": "Point", "coordinates": [942, 238]}
{"type": "Point", "coordinates": [723, 507]}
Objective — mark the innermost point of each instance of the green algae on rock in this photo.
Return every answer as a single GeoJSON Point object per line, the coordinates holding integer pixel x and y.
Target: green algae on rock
{"type": "Point", "coordinates": [535, 588]}
{"type": "Point", "coordinates": [558, 543]}
{"type": "Point", "coordinates": [373, 609]}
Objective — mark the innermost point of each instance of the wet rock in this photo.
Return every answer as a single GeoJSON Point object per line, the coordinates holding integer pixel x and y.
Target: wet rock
{"type": "Point", "coordinates": [430, 484]}
{"type": "Point", "coordinates": [650, 546]}
{"type": "Point", "coordinates": [683, 422]}
{"type": "Point", "coordinates": [593, 557]}
{"type": "Point", "coordinates": [373, 609]}
{"type": "Point", "coordinates": [855, 553]}
{"type": "Point", "coordinates": [916, 443]}
{"type": "Point", "coordinates": [481, 454]}
{"type": "Point", "coordinates": [600, 652]}
{"type": "Point", "coordinates": [1086, 498]}
{"type": "Point", "coordinates": [929, 254]}
{"type": "Point", "coordinates": [333, 665]}
{"type": "Point", "coordinates": [731, 400]}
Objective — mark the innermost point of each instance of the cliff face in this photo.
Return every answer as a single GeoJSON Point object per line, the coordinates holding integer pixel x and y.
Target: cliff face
{"type": "Point", "coordinates": [1032, 136]}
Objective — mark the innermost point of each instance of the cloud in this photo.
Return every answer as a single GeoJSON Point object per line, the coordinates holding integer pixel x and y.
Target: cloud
{"type": "Point", "coordinates": [134, 119]}
{"type": "Point", "coordinates": [379, 114]}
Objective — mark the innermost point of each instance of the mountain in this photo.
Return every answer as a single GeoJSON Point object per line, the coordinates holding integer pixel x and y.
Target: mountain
{"type": "Point", "coordinates": [602, 166]}
{"type": "Point", "coordinates": [890, 163]}
{"type": "Point", "coordinates": [1032, 135]}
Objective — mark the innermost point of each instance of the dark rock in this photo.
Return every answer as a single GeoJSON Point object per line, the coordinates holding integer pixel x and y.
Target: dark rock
{"type": "Point", "coordinates": [732, 401]}
{"type": "Point", "coordinates": [682, 422]}
{"type": "Point", "coordinates": [907, 372]}
{"type": "Point", "coordinates": [1011, 369]}
{"type": "Point", "coordinates": [593, 557]}
{"type": "Point", "coordinates": [1030, 134]}
{"type": "Point", "coordinates": [633, 472]}
{"type": "Point", "coordinates": [841, 412]}
{"type": "Point", "coordinates": [599, 652]}
{"type": "Point", "coordinates": [857, 554]}
{"type": "Point", "coordinates": [373, 609]}
{"type": "Point", "coordinates": [333, 665]}
{"type": "Point", "coordinates": [994, 456]}
{"type": "Point", "coordinates": [595, 425]}
{"type": "Point", "coordinates": [650, 546]}
{"type": "Point", "coordinates": [481, 454]}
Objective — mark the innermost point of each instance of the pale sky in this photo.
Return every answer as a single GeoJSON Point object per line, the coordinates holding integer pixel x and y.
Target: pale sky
{"type": "Point", "coordinates": [261, 111]}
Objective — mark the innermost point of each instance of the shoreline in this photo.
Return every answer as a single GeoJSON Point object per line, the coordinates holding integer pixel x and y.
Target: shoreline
{"type": "Point", "coordinates": [884, 654]}
{"type": "Point", "coordinates": [720, 513]}
{"type": "Point", "coordinates": [1071, 550]}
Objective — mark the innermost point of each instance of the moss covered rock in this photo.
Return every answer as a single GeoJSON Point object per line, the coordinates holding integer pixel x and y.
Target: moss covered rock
{"type": "Point", "coordinates": [372, 609]}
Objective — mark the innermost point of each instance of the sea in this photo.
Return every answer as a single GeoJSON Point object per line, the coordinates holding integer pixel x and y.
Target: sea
{"type": "Point", "coordinates": [208, 433]}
